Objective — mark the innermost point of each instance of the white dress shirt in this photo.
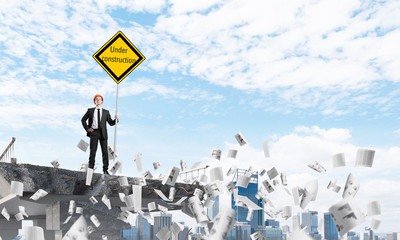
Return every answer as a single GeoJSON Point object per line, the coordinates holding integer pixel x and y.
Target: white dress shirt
{"type": "Point", "coordinates": [95, 120]}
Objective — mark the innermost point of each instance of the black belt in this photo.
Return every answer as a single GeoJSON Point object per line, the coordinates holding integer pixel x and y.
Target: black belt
{"type": "Point", "coordinates": [98, 129]}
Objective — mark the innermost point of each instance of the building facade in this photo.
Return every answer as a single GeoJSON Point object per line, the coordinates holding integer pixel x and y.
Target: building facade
{"type": "Point", "coordinates": [330, 231]}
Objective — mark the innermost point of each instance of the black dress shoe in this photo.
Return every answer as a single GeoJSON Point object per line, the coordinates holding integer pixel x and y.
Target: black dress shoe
{"type": "Point", "coordinates": [106, 172]}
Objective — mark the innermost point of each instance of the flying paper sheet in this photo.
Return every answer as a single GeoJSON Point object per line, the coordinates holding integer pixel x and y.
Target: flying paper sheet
{"type": "Point", "coordinates": [272, 173]}
{"type": "Point", "coordinates": [365, 158]}
{"type": "Point", "coordinates": [183, 165]}
{"type": "Point", "coordinates": [140, 181]}
{"type": "Point", "coordinates": [89, 175]}
{"type": "Point", "coordinates": [373, 208]}
{"type": "Point", "coordinates": [213, 189]}
{"type": "Point", "coordinates": [243, 181]}
{"type": "Point", "coordinates": [198, 210]}
{"type": "Point", "coordinates": [106, 201]}
{"type": "Point", "coordinates": [249, 214]}
{"type": "Point", "coordinates": [55, 163]}
{"type": "Point", "coordinates": [336, 189]}
{"type": "Point", "coordinates": [195, 165]}
{"type": "Point", "coordinates": [134, 201]}
{"type": "Point", "coordinates": [151, 206]}
{"type": "Point", "coordinates": [198, 192]}
{"type": "Point", "coordinates": [375, 223]}
{"type": "Point", "coordinates": [176, 228]}
{"type": "Point", "coordinates": [266, 149]}
{"type": "Point", "coordinates": [216, 174]}
{"type": "Point", "coordinates": [263, 172]}
{"type": "Point", "coordinates": [179, 202]}
{"type": "Point", "coordinates": [111, 153]}
{"type": "Point", "coordinates": [5, 214]}
{"type": "Point", "coordinates": [317, 167]}
{"type": "Point", "coordinates": [33, 233]}
{"type": "Point", "coordinates": [249, 204]}
{"type": "Point", "coordinates": [268, 186]}
{"type": "Point", "coordinates": [171, 194]}
{"type": "Point", "coordinates": [286, 212]}
{"type": "Point", "coordinates": [231, 170]}
{"type": "Point", "coordinates": [351, 187]}
{"type": "Point", "coordinates": [162, 208]}
{"type": "Point", "coordinates": [232, 153]}
{"type": "Point", "coordinates": [346, 215]}
{"type": "Point", "coordinates": [104, 237]}
{"type": "Point", "coordinates": [164, 233]}
{"type": "Point", "coordinates": [17, 188]}
{"type": "Point", "coordinates": [156, 165]}
{"type": "Point", "coordinates": [203, 178]}
{"type": "Point", "coordinates": [71, 207]}
{"type": "Point", "coordinates": [38, 194]}
{"type": "Point", "coordinates": [93, 200]}
{"type": "Point", "coordinates": [79, 210]}
{"type": "Point", "coordinates": [230, 187]}
{"type": "Point", "coordinates": [147, 175]}
{"type": "Point", "coordinates": [223, 223]}
{"type": "Point", "coordinates": [284, 179]}
{"type": "Point", "coordinates": [82, 145]}
{"type": "Point", "coordinates": [270, 213]}
{"type": "Point", "coordinates": [67, 220]}
{"type": "Point", "coordinates": [171, 176]}
{"type": "Point", "coordinates": [83, 167]}
{"type": "Point", "coordinates": [148, 218]}
{"type": "Point", "coordinates": [123, 181]}
{"type": "Point", "coordinates": [19, 216]}
{"type": "Point", "coordinates": [138, 160]}
{"type": "Point", "coordinates": [162, 195]}
{"type": "Point", "coordinates": [95, 221]}
{"type": "Point", "coordinates": [331, 184]}
{"type": "Point", "coordinates": [310, 193]}
{"type": "Point", "coordinates": [216, 154]}
{"type": "Point", "coordinates": [338, 160]}
{"type": "Point", "coordinates": [23, 211]}
{"type": "Point", "coordinates": [78, 230]}
{"type": "Point", "coordinates": [114, 167]}
{"type": "Point", "coordinates": [257, 236]}
{"type": "Point", "coordinates": [240, 139]}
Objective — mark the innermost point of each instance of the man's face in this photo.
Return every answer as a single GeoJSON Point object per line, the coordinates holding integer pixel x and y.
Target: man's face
{"type": "Point", "coordinates": [98, 101]}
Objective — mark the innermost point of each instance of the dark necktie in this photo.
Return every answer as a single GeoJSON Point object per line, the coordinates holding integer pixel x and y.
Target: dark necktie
{"type": "Point", "coordinates": [98, 118]}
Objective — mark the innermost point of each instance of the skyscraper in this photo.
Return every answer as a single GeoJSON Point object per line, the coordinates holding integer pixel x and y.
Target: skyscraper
{"type": "Point", "coordinates": [391, 236]}
{"type": "Point", "coordinates": [310, 220]}
{"type": "Point", "coordinates": [330, 230]}
{"type": "Point", "coordinates": [249, 192]}
{"type": "Point", "coordinates": [161, 221]}
{"type": "Point", "coordinates": [144, 227]}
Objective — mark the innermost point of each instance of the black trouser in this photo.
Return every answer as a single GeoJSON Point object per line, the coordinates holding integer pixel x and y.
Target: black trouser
{"type": "Point", "coordinates": [95, 137]}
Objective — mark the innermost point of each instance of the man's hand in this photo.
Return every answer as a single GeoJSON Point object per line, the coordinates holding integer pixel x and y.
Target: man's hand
{"type": "Point", "coordinates": [90, 130]}
{"type": "Point", "coordinates": [116, 117]}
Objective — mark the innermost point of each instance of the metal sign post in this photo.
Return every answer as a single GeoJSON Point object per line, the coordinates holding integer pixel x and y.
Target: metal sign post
{"type": "Point", "coordinates": [116, 123]}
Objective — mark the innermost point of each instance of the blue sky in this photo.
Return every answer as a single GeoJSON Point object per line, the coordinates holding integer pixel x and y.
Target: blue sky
{"type": "Point", "coordinates": [314, 78]}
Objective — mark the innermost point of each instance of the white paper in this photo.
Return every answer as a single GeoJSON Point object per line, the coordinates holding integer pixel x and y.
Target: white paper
{"type": "Point", "coordinates": [140, 181]}
{"type": "Point", "coordinates": [346, 215]}
{"type": "Point", "coordinates": [203, 178]}
{"type": "Point", "coordinates": [176, 228]}
{"type": "Point", "coordinates": [286, 212]}
{"type": "Point", "coordinates": [55, 163]}
{"type": "Point", "coordinates": [336, 189]}
{"type": "Point", "coordinates": [106, 201]}
{"type": "Point", "coordinates": [351, 188]}
{"type": "Point", "coordinates": [257, 236]}
{"type": "Point", "coordinates": [179, 202]}
{"type": "Point", "coordinates": [375, 223]}
{"type": "Point", "coordinates": [22, 210]}
{"type": "Point", "coordinates": [93, 200]}
{"type": "Point", "coordinates": [268, 186]}
{"type": "Point", "coordinates": [310, 193]}
{"type": "Point", "coordinates": [138, 160]}
{"type": "Point", "coordinates": [266, 149]}
{"type": "Point", "coordinates": [171, 176]}
{"type": "Point", "coordinates": [198, 192]}
{"type": "Point", "coordinates": [148, 218]}
{"type": "Point", "coordinates": [272, 173]}
{"type": "Point", "coordinates": [195, 165]}
{"type": "Point", "coordinates": [17, 188]}
{"type": "Point", "coordinates": [104, 237]}
{"type": "Point", "coordinates": [33, 233]}
{"type": "Point", "coordinates": [151, 206]}
{"type": "Point", "coordinates": [95, 221]}
{"type": "Point", "coordinates": [67, 220]}
{"type": "Point", "coordinates": [82, 145]}
{"type": "Point", "coordinates": [156, 165]}
{"type": "Point", "coordinates": [183, 165]}
{"type": "Point", "coordinates": [284, 179]}
{"type": "Point", "coordinates": [90, 229]}
{"type": "Point", "coordinates": [123, 181]}
{"type": "Point", "coordinates": [171, 194]}
{"type": "Point", "coordinates": [216, 174]}
{"type": "Point", "coordinates": [198, 210]}
{"type": "Point", "coordinates": [162, 195]}
{"type": "Point", "coordinates": [38, 194]}
{"type": "Point", "coordinates": [249, 204]}
{"type": "Point", "coordinates": [373, 208]}
{"type": "Point", "coordinates": [249, 214]}
{"type": "Point", "coordinates": [111, 153]}
{"type": "Point", "coordinates": [162, 208]}
{"type": "Point", "coordinates": [338, 160]}
{"type": "Point", "coordinates": [83, 167]}
{"type": "Point", "coordinates": [240, 139]}
{"type": "Point", "coordinates": [78, 230]}
{"type": "Point", "coordinates": [331, 184]}
{"type": "Point", "coordinates": [19, 216]}
{"type": "Point", "coordinates": [317, 167]}
{"type": "Point", "coordinates": [270, 213]}
{"type": "Point", "coordinates": [134, 201]}
{"type": "Point", "coordinates": [5, 214]}
{"type": "Point", "coordinates": [71, 207]}
{"type": "Point", "coordinates": [296, 196]}
{"type": "Point", "coordinates": [216, 154]}
{"type": "Point", "coordinates": [89, 175]}
{"type": "Point", "coordinates": [230, 186]}
{"type": "Point", "coordinates": [243, 181]}
{"type": "Point", "coordinates": [114, 167]}
{"type": "Point", "coordinates": [164, 233]}
{"type": "Point", "coordinates": [223, 223]}
{"type": "Point", "coordinates": [147, 175]}
{"type": "Point", "coordinates": [231, 170]}
{"type": "Point", "coordinates": [232, 153]}
{"type": "Point", "coordinates": [365, 158]}
{"type": "Point", "coordinates": [79, 210]}
{"type": "Point", "coordinates": [213, 189]}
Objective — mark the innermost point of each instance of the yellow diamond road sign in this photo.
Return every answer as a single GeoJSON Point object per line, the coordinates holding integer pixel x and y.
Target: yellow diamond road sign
{"type": "Point", "coordinates": [118, 57]}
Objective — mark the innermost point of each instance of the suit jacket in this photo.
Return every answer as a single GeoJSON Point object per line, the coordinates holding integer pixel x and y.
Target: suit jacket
{"type": "Point", "coordinates": [105, 117]}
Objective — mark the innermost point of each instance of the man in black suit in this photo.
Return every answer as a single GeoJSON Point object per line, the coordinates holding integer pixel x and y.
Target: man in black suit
{"type": "Point", "coordinates": [97, 130]}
